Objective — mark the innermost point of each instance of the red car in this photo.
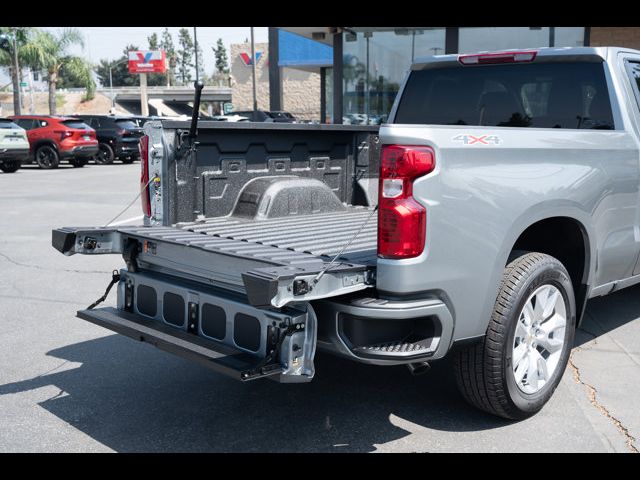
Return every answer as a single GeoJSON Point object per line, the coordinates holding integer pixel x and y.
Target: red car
{"type": "Point", "coordinates": [56, 138]}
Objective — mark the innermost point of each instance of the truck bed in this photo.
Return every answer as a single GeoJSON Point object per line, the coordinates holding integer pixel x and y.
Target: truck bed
{"type": "Point", "coordinates": [321, 235]}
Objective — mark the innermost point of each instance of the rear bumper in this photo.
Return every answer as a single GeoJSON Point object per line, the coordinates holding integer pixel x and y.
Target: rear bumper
{"type": "Point", "coordinates": [385, 332]}
{"type": "Point", "coordinates": [21, 154]}
{"type": "Point", "coordinates": [127, 149]}
{"type": "Point", "coordinates": [81, 151]}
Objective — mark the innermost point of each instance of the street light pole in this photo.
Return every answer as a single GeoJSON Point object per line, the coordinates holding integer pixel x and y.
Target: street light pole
{"type": "Point", "coordinates": [253, 74]}
{"type": "Point", "coordinates": [113, 103]}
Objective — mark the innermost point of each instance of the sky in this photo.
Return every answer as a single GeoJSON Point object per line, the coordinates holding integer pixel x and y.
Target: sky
{"type": "Point", "coordinates": [108, 42]}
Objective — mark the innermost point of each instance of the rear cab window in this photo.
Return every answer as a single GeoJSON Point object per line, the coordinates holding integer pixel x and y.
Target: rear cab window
{"type": "Point", "coordinates": [126, 124]}
{"type": "Point", "coordinates": [77, 124]}
{"type": "Point", "coordinates": [570, 95]}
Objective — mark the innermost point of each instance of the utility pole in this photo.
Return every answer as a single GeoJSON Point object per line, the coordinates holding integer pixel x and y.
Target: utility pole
{"type": "Point", "coordinates": [253, 73]}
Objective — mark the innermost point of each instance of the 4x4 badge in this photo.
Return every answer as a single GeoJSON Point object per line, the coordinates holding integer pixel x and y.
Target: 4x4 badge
{"type": "Point", "coordinates": [467, 139]}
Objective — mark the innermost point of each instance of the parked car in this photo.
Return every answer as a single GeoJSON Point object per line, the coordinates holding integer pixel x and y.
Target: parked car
{"type": "Point", "coordinates": [56, 138]}
{"type": "Point", "coordinates": [118, 138]}
{"type": "Point", "coordinates": [265, 116]}
{"type": "Point", "coordinates": [140, 120]}
{"type": "Point", "coordinates": [502, 194]}
{"type": "Point", "coordinates": [14, 146]}
{"type": "Point", "coordinates": [282, 117]}
{"type": "Point", "coordinates": [228, 118]}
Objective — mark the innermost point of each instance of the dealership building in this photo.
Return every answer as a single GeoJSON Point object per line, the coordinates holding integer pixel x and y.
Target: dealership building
{"type": "Point", "coordinates": [352, 74]}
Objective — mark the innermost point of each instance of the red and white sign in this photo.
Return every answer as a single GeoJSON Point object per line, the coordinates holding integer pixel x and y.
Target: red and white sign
{"type": "Point", "coordinates": [147, 61]}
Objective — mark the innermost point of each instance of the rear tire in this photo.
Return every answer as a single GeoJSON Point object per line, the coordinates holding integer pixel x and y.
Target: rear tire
{"type": "Point", "coordinates": [540, 349]}
{"type": "Point", "coordinates": [78, 162]}
{"type": "Point", "coordinates": [10, 166]}
{"type": "Point", "coordinates": [47, 157]}
{"type": "Point", "coordinates": [105, 154]}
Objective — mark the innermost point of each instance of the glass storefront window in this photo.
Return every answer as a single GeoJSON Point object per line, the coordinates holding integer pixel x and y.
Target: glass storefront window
{"type": "Point", "coordinates": [375, 63]}
{"type": "Point", "coordinates": [478, 39]}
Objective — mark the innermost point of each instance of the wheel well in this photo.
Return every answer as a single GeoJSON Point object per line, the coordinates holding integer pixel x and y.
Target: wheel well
{"type": "Point", "coordinates": [49, 143]}
{"type": "Point", "coordinates": [565, 239]}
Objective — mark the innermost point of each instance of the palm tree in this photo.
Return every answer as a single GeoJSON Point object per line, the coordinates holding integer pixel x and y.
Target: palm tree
{"type": "Point", "coordinates": [13, 38]}
{"type": "Point", "coordinates": [48, 51]}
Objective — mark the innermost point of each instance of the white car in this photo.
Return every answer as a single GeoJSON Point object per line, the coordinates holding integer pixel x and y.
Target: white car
{"type": "Point", "coordinates": [14, 146]}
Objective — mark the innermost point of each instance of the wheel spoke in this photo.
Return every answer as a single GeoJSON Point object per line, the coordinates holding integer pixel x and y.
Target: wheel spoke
{"type": "Point", "coordinates": [521, 330]}
{"type": "Point", "coordinates": [554, 323]}
{"type": "Point", "coordinates": [518, 355]}
{"type": "Point", "coordinates": [532, 371]}
{"type": "Point", "coordinates": [522, 369]}
{"type": "Point", "coordinates": [551, 344]}
{"type": "Point", "coordinates": [550, 304]}
{"type": "Point", "coordinates": [541, 365]}
{"type": "Point", "coordinates": [541, 302]}
{"type": "Point", "coordinates": [528, 313]}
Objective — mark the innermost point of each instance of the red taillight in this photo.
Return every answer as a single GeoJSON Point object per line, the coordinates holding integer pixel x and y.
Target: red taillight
{"type": "Point", "coordinates": [144, 177]}
{"type": "Point", "coordinates": [64, 133]}
{"type": "Point", "coordinates": [499, 57]}
{"type": "Point", "coordinates": [402, 220]}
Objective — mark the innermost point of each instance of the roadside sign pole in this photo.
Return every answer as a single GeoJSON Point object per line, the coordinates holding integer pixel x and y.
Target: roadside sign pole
{"type": "Point", "coordinates": [253, 76]}
{"type": "Point", "coordinates": [144, 101]}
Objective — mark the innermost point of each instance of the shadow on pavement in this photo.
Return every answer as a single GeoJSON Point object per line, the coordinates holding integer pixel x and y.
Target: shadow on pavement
{"type": "Point", "coordinates": [605, 314]}
{"type": "Point", "coordinates": [132, 397]}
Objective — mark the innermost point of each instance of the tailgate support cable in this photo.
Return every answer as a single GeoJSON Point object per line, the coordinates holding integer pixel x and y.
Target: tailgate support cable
{"type": "Point", "coordinates": [317, 278]}
{"type": "Point", "coordinates": [115, 278]}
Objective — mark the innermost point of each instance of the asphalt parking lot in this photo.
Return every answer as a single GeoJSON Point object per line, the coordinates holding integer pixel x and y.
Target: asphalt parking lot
{"type": "Point", "coordinates": [67, 385]}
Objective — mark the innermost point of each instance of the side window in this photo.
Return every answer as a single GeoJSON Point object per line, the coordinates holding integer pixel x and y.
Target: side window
{"type": "Point", "coordinates": [25, 123]}
{"type": "Point", "coordinates": [633, 70]}
{"type": "Point", "coordinates": [40, 123]}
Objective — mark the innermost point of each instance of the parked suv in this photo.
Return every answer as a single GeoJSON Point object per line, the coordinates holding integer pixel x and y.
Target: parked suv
{"type": "Point", "coordinates": [14, 146]}
{"type": "Point", "coordinates": [264, 116]}
{"type": "Point", "coordinates": [118, 138]}
{"type": "Point", "coordinates": [56, 138]}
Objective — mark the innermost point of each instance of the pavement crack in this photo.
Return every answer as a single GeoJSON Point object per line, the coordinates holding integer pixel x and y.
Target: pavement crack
{"type": "Point", "coordinates": [38, 267]}
{"type": "Point", "coordinates": [593, 399]}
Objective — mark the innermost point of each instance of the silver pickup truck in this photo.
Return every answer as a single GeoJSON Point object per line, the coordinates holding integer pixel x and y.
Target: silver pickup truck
{"type": "Point", "coordinates": [501, 196]}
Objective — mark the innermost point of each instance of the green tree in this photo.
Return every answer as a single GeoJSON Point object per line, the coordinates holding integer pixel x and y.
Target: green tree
{"type": "Point", "coordinates": [153, 41]}
{"type": "Point", "coordinates": [222, 61]}
{"type": "Point", "coordinates": [7, 58]}
{"type": "Point", "coordinates": [119, 70]}
{"type": "Point", "coordinates": [166, 44]}
{"type": "Point", "coordinates": [77, 73]}
{"type": "Point", "coordinates": [47, 51]}
{"type": "Point", "coordinates": [155, 79]}
{"type": "Point", "coordinates": [200, 62]}
{"type": "Point", "coordinates": [185, 55]}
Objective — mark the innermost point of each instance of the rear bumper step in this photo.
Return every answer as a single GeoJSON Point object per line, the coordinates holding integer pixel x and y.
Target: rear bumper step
{"type": "Point", "coordinates": [216, 356]}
